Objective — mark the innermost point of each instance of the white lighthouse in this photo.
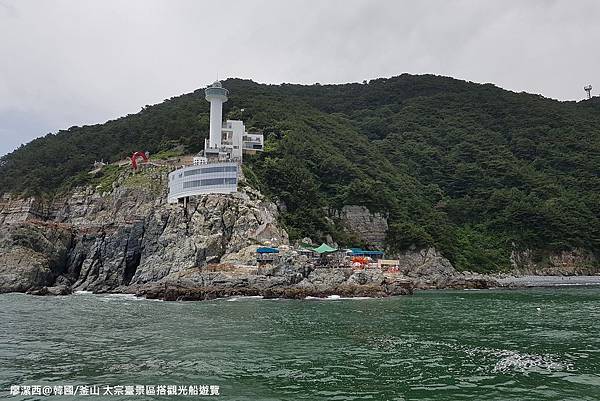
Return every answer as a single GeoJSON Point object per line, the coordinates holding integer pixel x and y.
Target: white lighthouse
{"type": "Point", "coordinates": [216, 95]}
{"type": "Point", "coordinates": [216, 170]}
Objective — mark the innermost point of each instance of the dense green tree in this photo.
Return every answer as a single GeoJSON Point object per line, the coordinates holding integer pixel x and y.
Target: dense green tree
{"type": "Point", "coordinates": [473, 170]}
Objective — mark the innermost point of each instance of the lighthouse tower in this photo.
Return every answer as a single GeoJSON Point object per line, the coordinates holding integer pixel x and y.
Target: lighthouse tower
{"type": "Point", "coordinates": [216, 170]}
{"type": "Point", "coordinates": [216, 95]}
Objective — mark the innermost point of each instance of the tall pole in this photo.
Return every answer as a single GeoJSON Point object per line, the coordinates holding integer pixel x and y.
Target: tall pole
{"type": "Point", "coordinates": [216, 95]}
{"type": "Point", "coordinates": [216, 121]}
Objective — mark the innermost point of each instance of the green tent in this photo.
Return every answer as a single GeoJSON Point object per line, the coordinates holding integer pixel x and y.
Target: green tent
{"type": "Point", "coordinates": [324, 248]}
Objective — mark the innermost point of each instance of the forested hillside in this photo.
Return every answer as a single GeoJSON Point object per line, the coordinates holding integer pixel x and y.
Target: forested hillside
{"type": "Point", "coordinates": [472, 169]}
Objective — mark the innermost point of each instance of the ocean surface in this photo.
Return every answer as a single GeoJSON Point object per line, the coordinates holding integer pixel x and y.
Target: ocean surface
{"type": "Point", "coordinates": [534, 344]}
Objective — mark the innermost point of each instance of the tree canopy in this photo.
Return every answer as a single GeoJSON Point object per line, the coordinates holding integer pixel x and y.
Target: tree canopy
{"type": "Point", "coordinates": [471, 169]}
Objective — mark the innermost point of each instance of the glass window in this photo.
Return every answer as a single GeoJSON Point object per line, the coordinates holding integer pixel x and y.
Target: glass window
{"type": "Point", "coordinates": [210, 182]}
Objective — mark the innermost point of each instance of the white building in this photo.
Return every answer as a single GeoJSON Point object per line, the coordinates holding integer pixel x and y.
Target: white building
{"type": "Point", "coordinates": [210, 178]}
{"type": "Point", "coordinates": [217, 168]}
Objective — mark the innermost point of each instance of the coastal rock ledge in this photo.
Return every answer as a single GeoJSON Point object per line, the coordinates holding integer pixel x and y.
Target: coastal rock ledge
{"type": "Point", "coordinates": [296, 282]}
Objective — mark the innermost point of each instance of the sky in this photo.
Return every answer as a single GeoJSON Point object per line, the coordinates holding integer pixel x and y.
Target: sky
{"type": "Point", "coordinates": [77, 62]}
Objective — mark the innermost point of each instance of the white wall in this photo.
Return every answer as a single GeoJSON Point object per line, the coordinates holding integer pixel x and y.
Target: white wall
{"type": "Point", "coordinates": [187, 181]}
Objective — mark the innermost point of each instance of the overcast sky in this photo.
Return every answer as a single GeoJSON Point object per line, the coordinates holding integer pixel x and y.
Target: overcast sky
{"type": "Point", "coordinates": [65, 63]}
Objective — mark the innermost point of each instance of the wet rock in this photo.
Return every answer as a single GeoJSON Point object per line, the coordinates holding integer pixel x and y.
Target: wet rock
{"type": "Point", "coordinates": [398, 286]}
{"type": "Point", "coordinates": [367, 276]}
{"type": "Point", "coordinates": [59, 290]}
{"type": "Point", "coordinates": [32, 255]}
{"type": "Point", "coordinates": [324, 279]}
{"type": "Point", "coordinates": [56, 290]}
{"type": "Point", "coordinates": [283, 282]}
{"type": "Point", "coordinates": [471, 281]}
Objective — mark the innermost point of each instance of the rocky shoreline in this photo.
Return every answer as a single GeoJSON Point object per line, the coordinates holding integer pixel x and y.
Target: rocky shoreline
{"type": "Point", "coordinates": [130, 240]}
{"type": "Point", "coordinates": [526, 281]}
{"type": "Point", "coordinates": [292, 282]}
{"type": "Point", "coordinates": [182, 290]}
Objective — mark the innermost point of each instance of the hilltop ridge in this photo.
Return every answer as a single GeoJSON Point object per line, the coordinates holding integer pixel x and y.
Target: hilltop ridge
{"type": "Point", "coordinates": [480, 173]}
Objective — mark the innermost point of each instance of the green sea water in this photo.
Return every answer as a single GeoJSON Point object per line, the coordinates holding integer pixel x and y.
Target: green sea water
{"type": "Point", "coordinates": [535, 344]}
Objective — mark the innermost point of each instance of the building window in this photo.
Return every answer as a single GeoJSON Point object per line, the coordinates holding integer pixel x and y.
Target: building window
{"type": "Point", "coordinates": [225, 169]}
{"type": "Point", "coordinates": [192, 172]}
{"type": "Point", "coordinates": [208, 170]}
{"type": "Point", "coordinates": [210, 182]}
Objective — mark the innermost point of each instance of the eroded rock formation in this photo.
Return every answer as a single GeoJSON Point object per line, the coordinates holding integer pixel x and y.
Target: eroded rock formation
{"type": "Point", "coordinates": [99, 242]}
{"type": "Point", "coordinates": [370, 228]}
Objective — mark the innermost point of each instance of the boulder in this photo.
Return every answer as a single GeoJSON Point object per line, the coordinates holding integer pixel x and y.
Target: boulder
{"type": "Point", "coordinates": [32, 255]}
{"type": "Point", "coordinates": [324, 279]}
{"type": "Point", "coordinates": [56, 290]}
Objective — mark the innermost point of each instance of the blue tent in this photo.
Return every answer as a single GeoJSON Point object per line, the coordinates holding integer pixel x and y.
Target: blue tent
{"type": "Point", "coordinates": [266, 249]}
{"type": "Point", "coordinates": [363, 252]}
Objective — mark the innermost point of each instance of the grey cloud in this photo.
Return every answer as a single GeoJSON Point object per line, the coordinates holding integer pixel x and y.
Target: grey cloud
{"type": "Point", "coordinates": [73, 62]}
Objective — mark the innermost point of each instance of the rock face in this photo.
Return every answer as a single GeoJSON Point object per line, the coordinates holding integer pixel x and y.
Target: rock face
{"type": "Point", "coordinates": [131, 240]}
{"type": "Point", "coordinates": [32, 255]}
{"type": "Point", "coordinates": [369, 227]}
{"type": "Point", "coordinates": [98, 242]}
{"type": "Point", "coordinates": [427, 268]}
{"type": "Point", "coordinates": [566, 263]}
{"type": "Point", "coordinates": [284, 281]}
{"type": "Point", "coordinates": [15, 209]}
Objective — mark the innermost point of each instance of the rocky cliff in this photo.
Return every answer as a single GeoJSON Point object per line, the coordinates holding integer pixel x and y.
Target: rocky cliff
{"type": "Point", "coordinates": [369, 228]}
{"type": "Point", "coordinates": [100, 241]}
{"type": "Point", "coordinates": [126, 238]}
{"type": "Point", "coordinates": [566, 263]}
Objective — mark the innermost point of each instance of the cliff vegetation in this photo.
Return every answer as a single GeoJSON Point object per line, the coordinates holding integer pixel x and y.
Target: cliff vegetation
{"type": "Point", "coordinates": [473, 170]}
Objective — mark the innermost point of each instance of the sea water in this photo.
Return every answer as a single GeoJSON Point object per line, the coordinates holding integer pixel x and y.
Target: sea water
{"type": "Point", "coordinates": [535, 344]}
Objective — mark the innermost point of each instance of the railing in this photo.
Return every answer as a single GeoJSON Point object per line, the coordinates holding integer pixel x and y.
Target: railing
{"type": "Point", "coordinates": [215, 91]}
{"type": "Point", "coordinates": [210, 161]}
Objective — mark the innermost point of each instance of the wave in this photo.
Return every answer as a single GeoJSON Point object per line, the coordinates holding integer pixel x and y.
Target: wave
{"type": "Point", "coordinates": [132, 297]}
{"type": "Point", "coordinates": [334, 298]}
{"type": "Point", "coordinates": [496, 360]}
{"type": "Point", "coordinates": [234, 299]}
{"type": "Point", "coordinates": [516, 362]}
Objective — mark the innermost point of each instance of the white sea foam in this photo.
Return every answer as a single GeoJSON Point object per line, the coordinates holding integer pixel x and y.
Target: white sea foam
{"type": "Point", "coordinates": [502, 360]}
{"type": "Point", "coordinates": [328, 298]}
{"type": "Point", "coordinates": [335, 298]}
{"type": "Point", "coordinates": [123, 297]}
{"type": "Point", "coordinates": [233, 299]}
{"type": "Point", "coordinates": [150, 300]}
{"type": "Point", "coordinates": [514, 361]}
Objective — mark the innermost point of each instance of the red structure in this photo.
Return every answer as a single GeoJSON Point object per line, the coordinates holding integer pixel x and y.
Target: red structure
{"type": "Point", "coordinates": [134, 157]}
{"type": "Point", "coordinates": [361, 261]}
